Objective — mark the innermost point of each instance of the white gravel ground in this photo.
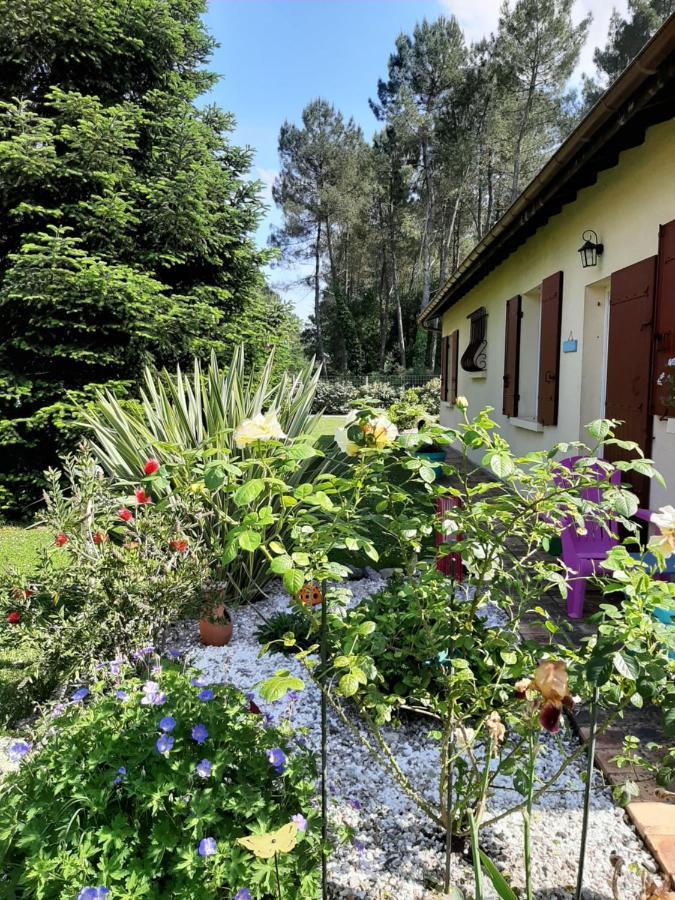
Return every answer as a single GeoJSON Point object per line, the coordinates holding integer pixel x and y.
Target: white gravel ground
{"type": "Point", "coordinates": [395, 851]}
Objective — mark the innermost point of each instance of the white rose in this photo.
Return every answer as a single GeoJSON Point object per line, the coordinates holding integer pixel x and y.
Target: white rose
{"type": "Point", "coordinates": [262, 427]}
{"type": "Point", "coordinates": [461, 402]}
{"type": "Point", "coordinates": [664, 520]}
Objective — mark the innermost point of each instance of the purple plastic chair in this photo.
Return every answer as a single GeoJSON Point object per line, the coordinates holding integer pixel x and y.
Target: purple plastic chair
{"type": "Point", "coordinates": [583, 553]}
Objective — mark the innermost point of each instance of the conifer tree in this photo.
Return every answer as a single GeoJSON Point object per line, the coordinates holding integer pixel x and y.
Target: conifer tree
{"type": "Point", "coordinates": [125, 215]}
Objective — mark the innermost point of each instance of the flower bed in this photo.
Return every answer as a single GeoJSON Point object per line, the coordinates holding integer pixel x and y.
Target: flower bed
{"type": "Point", "coordinates": [150, 782]}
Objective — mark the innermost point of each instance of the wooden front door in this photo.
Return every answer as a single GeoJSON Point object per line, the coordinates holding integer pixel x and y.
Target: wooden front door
{"type": "Point", "coordinates": [629, 363]}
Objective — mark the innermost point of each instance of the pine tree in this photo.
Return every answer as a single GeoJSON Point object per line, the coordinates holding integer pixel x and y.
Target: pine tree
{"type": "Point", "coordinates": [625, 39]}
{"type": "Point", "coordinates": [125, 216]}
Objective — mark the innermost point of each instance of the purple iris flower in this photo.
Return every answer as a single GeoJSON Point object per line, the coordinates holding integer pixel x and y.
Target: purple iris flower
{"type": "Point", "coordinates": [199, 734]}
{"type": "Point", "coordinates": [277, 759]}
{"type": "Point", "coordinates": [93, 893]}
{"type": "Point", "coordinates": [205, 696]}
{"type": "Point", "coordinates": [208, 847]}
{"type": "Point", "coordinates": [121, 772]}
{"type": "Point", "coordinates": [164, 744]}
{"type": "Point", "coordinates": [167, 724]}
{"type": "Point", "coordinates": [121, 695]}
{"type": "Point", "coordinates": [79, 695]}
{"type": "Point", "coordinates": [203, 768]}
{"type": "Point", "coordinates": [243, 894]}
{"type": "Point", "coordinates": [300, 821]}
{"type": "Point", "coordinates": [18, 750]}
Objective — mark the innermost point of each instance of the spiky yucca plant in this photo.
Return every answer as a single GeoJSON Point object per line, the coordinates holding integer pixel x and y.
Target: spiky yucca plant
{"type": "Point", "coordinates": [183, 417]}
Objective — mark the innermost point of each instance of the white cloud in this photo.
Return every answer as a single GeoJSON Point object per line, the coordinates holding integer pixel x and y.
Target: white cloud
{"type": "Point", "coordinates": [266, 176]}
{"type": "Point", "coordinates": [479, 17]}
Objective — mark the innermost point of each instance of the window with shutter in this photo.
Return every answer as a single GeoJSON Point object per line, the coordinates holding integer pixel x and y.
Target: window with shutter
{"type": "Point", "coordinates": [549, 349]}
{"type": "Point", "coordinates": [664, 335]}
{"type": "Point", "coordinates": [511, 356]}
{"type": "Point", "coordinates": [453, 365]}
{"type": "Point", "coordinates": [444, 367]}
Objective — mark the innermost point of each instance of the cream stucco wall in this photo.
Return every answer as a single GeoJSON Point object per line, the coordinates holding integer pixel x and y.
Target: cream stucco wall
{"type": "Point", "coordinates": [625, 207]}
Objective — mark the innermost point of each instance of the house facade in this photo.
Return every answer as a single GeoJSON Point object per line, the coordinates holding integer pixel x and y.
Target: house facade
{"type": "Point", "coordinates": [550, 343]}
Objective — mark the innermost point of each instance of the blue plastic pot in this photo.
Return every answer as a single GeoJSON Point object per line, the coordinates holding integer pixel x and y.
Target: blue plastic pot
{"type": "Point", "coordinates": [436, 460]}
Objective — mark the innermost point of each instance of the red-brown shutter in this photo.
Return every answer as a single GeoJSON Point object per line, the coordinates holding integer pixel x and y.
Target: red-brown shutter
{"type": "Point", "coordinates": [664, 343]}
{"type": "Point", "coordinates": [453, 364]}
{"type": "Point", "coordinates": [511, 356]}
{"type": "Point", "coordinates": [549, 349]}
{"type": "Point", "coordinates": [629, 363]}
{"type": "Point", "coordinates": [444, 367]}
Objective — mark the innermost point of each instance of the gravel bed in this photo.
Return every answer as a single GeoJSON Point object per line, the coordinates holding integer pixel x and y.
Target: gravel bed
{"type": "Point", "coordinates": [395, 851]}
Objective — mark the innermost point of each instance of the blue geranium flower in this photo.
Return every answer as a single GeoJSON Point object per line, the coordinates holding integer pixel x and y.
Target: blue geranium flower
{"type": "Point", "coordinates": [174, 654]}
{"type": "Point", "coordinates": [277, 759]}
{"type": "Point", "coordinates": [200, 682]}
{"type": "Point", "coordinates": [205, 696]}
{"type": "Point", "coordinates": [199, 734]}
{"type": "Point", "coordinates": [167, 724]}
{"type": "Point", "coordinates": [203, 768]}
{"type": "Point", "coordinates": [243, 894]}
{"type": "Point", "coordinates": [164, 744]}
{"type": "Point", "coordinates": [79, 695]}
{"type": "Point", "coordinates": [121, 772]}
{"type": "Point", "coordinates": [208, 847]}
{"type": "Point", "coordinates": [121, 695]}
{"type": "Point", "coordinates": [299, 821]}
{"type": "Point", "coordinates": [18, 750]}
{"type": "Point", "coordinates": [93, 893]}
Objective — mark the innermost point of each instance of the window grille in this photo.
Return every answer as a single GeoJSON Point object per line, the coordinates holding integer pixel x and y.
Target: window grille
{"type": "Point", "coordinates": [474, 358]}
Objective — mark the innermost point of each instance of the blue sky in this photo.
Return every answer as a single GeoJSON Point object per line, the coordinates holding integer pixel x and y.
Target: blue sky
{"type": "Point", "coordinates": [277, 55]}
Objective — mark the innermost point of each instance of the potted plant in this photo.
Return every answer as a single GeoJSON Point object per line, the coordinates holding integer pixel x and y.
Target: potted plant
{"type": "Point", "coordinates": [215, 622]}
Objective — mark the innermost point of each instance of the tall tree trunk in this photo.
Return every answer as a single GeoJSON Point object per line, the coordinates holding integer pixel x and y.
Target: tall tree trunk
{"type": "Point", "coordinates": [517, 152]}
{"type": "Point", "coordinates": [428, 229]}
{"type": "Point", "coordinates": [338, 298]}
{"type": "Point", "coordinates": [384, 313]}
{"type": "Point", "coordinates": [317, 294]}
{"type": "Point", "coordinates": [394, 288]}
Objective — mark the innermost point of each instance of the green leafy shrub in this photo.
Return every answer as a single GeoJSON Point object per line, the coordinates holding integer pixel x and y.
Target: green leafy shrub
{"type": "Point", "coordinates": [298, 622]}
{"type": "Point", "coordinates": [231, 483]}
{"type": "Point", "coordinates": [334, 397]}
{"type": "Point", "coordinates": [128, 786]}
{"type": "Point", "coordinates": [408, 412]}
{"type": "Point", "coordinates": [420, 627]}
{"type": "Point", "coordinates": [105, 585]}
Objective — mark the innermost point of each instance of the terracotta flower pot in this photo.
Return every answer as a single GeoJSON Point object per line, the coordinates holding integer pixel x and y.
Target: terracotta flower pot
{"type": "Point", "coordinates": [216, 633]}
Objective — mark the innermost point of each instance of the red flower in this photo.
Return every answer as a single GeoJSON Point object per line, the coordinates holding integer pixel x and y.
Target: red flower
{"type": "Point", "coordinates": [20, 594]}
{"type": "Point", "coordinates": [151, 466]}
{"type": "Point", "coordinates": [141, 497]}
{"type": "Point", "coordinates": [99, 538]}
{"type": "Point", "coordinates": [14, 617]}
{"type": "Point", "coordinates": [61, 539]}
{"type": "Point", "coordinates": [254, 708]}
{"type": "Point", "coordinates": [125, 514]}
{"type": "Point", "coordinates": [180, 545]}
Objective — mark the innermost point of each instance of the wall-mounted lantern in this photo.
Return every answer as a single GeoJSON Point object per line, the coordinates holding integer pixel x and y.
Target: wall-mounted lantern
{"type": "Point", "coordinates": [590, 250]}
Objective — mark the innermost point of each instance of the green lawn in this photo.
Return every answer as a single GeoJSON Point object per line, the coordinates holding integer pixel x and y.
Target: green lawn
{"type": "Point", "coordinates": [19, 547]}
{"type": "Point", "coordinates": [327, 425]}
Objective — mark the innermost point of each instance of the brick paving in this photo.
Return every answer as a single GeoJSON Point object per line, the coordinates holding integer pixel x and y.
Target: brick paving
{"type": "Point", "coordinates": [652, 813]}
